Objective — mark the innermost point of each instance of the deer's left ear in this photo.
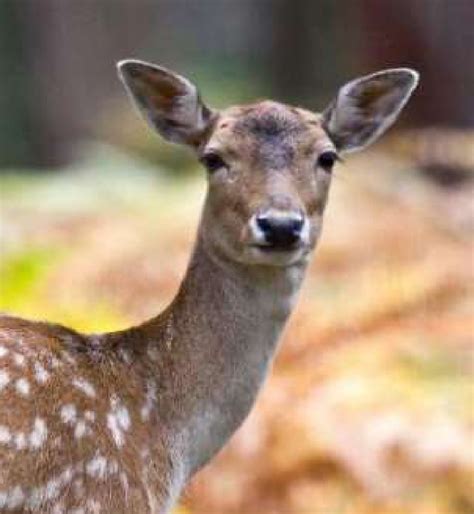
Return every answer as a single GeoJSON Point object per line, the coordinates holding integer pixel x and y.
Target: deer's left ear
{"type": "Point", "coordinates": [366, 107]}
{"type": "Point", "coordinates": [168, 101]}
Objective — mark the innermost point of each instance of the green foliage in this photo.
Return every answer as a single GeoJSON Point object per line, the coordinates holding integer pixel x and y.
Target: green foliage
{"type": "Point", "coordinates": [25, 290]}
{"type": "Point", "coordinates": [22, 275]}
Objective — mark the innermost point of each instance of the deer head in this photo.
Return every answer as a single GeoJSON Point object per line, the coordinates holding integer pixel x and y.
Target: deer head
{"type": "Point", "coordinates": [268, 164]}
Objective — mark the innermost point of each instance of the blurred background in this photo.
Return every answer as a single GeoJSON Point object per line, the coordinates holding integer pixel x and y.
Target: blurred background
{"type": "Point", "coordinates": [370, 405]}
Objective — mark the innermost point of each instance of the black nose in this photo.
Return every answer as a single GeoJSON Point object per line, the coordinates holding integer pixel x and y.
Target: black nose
{"type": "Point", "coordinates": [280, 231]}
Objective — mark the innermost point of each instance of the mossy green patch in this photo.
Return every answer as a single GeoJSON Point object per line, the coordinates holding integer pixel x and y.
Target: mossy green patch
{"type": "Point", "coordinates": [24, 282]}
{"type": "Point", "coordinates": [22, 273]}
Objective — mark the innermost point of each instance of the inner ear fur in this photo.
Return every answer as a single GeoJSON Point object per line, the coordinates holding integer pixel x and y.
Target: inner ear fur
{"type": "Point", "coordinates": [169, 102]}
{"type": "Point", "coordinates": [366, 107]}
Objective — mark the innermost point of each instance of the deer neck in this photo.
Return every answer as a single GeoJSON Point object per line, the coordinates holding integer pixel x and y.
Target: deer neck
{"type": "Point", "coordinates": [219, 334]}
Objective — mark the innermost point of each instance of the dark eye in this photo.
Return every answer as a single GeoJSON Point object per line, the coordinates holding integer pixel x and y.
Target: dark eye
{"type": "Point", "coordinates": [212, 161]}
{"type": "Point", "coordinates": [327, 159]}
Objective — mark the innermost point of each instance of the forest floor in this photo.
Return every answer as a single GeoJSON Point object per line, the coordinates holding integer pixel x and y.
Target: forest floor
{"type": "Point", "coordinates": [369, 408]}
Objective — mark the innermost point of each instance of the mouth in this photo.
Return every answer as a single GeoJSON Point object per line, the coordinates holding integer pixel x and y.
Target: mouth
{"type": "Point", "coordinates": [278, 248]}
{"type": "Point", "coordinates": [278, 255]}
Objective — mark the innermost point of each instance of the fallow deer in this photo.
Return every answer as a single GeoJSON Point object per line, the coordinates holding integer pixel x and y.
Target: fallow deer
{"type": "Point", "coordinates": [117, 423]}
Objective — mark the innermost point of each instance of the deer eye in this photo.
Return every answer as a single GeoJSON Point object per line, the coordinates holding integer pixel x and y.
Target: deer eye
{"type": "Point", "coordinates": [327, 159]}
{"type": "Point", "coordinates": [213, 161]}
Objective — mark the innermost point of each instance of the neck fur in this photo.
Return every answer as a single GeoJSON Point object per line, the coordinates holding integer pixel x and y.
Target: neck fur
{"type": "Point", "coordinates": [212, 348]}
{"type": "Point", "coordinates": [229, 318]}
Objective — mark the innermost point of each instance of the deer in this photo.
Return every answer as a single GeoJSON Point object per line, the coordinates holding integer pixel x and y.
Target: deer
{"type": "Point", "coordinates": [119, 422]}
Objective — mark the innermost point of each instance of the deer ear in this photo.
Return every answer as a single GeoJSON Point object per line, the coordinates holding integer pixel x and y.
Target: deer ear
{"type": "Point", "coordinates": [169, 102]}
{"type": "Point", "coordinates": [366, 107]}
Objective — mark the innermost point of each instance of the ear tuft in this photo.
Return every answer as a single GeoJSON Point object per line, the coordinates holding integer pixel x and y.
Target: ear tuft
{"type": "Point", "coordinates": [366, 107]}
{"type": "Point", "coordinates": [168, 101]}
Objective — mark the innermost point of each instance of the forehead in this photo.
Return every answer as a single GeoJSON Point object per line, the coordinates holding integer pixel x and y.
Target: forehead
{"type": "Point", "coordinates": [267, 123]}
{"type": "Point", "coordinates": [269, 119]}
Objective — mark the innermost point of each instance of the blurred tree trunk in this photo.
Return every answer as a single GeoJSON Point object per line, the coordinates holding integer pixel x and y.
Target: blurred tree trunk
{"type": "Point", "coordinates": [72, 49]}
{"type": "Point", "coordinates": [306, 61]}
{"type": "Point", "coordinates": [16, 144]}
{"type": "Point", "coordinates": [437, 38]}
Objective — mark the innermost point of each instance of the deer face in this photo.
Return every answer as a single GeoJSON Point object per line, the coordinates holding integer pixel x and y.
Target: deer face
{"type": "Point", "coordinates": [269, 165]}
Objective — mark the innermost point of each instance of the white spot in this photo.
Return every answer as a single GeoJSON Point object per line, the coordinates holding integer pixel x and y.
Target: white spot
{"type": "Point", "coordinates": [39, 433]}
{"type": "Point", "coordinates": [123, 418]}
{"type": "Point", "coordinates": [68, 357]}
{"type": "Point", "coordinates": [113, 467]}
{"type": "Point", "coordinates": [97, 467]}
{"type": "Point", "coordinates": [5, 435]}
{"type": "Point", "coordinates": [55, 362]}
{"type": "Point", "coordinates": [150, 401]}
{"type": "Point", "coordinates": [50, 491]}
{"type": "Point", "coordinates": [153, 353]}
{"type": "Point", "coordinates": [19, 360]}
{"type": "Point", "coordinates": [66, 475]}
{"type": "Point", "coordinates": [20, 441]}
{"type": "Point", "coordinates": [83, 385]}
{"type": "Point", "coordinates": [56, 442]}
{"type": "Point", "coordinates": [78, 487]}
{"type": "Point", "coordinates": [52, 488]}
{"type": "Point", "coordinates": [77, 510]}
{"type": "Point", "coordinates": [4, 379]}
{"type": "Point", "coordinates": [89, 415]}
{"type": "Point", "coordinates": [36, 498]}
{"type": "Point", "coordinates": [118, 420]}
{"type": "Point", "coordinates": [125, 355]}
{"type": "Point", "coordinates": [3, 351]}
{"type": "Point", "coordinates": [16, 497]}
{"type": "Point", "coordinates": [41, 374]}
{"type": "Point", "coordinates": [124, 481]}
{"type": "Point", "coordinates": [25, 348]}
{"type": "Point", "coordinates": [23, 386]}
{"type": "Point", "coordinates": [80, 429]}
{"type": "Point", "coordinates": [68, 413]}
{"type": "Point", "coordinates": [93, 506]}
{"type": "Point", "coordinates": [115, 429]}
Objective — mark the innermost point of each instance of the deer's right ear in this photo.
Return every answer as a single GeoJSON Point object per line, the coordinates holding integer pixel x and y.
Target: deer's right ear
{"type": "Point", "coordinates": [169, 102]}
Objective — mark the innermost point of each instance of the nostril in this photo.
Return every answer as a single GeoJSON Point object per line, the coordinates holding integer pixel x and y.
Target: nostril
{"type": "Point", "coordinates": [264, 224]}
{"type": "Point", "coordinates": [280, 231]}
{"type": "Point", "coordinates": [297, 224]}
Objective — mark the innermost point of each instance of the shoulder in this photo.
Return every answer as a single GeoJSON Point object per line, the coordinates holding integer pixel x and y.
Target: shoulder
{"type": "Point", "coordinates": [16, 331]}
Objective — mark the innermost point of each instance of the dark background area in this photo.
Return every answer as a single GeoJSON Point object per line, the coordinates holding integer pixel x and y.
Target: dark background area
{"type": "Point", "coordinates": [57, 58]}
